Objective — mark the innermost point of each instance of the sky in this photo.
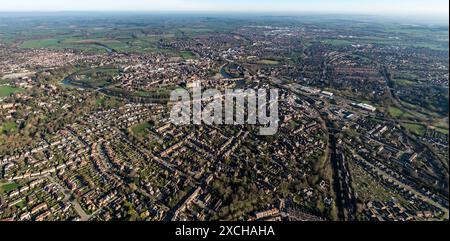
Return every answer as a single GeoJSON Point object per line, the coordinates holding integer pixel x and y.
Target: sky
{"type": "Point", "coordinates": [404, 7]}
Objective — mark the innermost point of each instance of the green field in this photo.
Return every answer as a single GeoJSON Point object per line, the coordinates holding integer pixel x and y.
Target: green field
{"type": "Point", "coordinates": [441, 130]}
{"type": "Point", "coordinates": [441, 125]}
{"type": "Point", "coordinates": [21, 204]}
{"type": "Point", "coordinates": [8, 90]}
{"type": "Point", "coordinates": [8, 127]}
{"type": "Point", "coordinates": [137, 44]}
{"type": "Point", "coordinates": [416, 122]}
{"type": "Point", "coordinates": [8, 187]}
{"type": "Point", "coordinates": [396, 112]}
{"type": "Point", "coordinates": [141, 130]}
{"type": "Point", "coordinates": [100, 101]}
{"type": "Point", "coordinates": [404, 82]}
{"type": "Point", "coordinates": [53, 43]}
{"type": "Point", "coordinates": [337, 42]}
{"type": "Point", "coordinates": [40, 43]}
{"type": "Point", "coordinates": [187, 54]}
{"type": "Point", "coordinates": [94, 78]}
{"type": "Point", "coordinates": [416, 129]}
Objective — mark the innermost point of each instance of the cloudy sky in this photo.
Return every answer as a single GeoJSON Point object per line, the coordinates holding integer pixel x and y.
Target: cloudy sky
{"type": "Point", "coordinates": [335, 6]}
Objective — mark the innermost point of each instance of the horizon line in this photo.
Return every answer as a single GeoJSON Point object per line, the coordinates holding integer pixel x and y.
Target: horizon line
{"type": "Point", "coordinates": [401, 18]}
{"type": "Point", "coordinates": [231, 11]}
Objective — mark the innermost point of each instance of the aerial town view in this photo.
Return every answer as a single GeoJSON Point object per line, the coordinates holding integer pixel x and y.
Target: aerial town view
{"type": "Point", "coordinates": [88, 97]}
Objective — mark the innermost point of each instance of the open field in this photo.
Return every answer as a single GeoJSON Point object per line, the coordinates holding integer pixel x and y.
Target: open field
{"type": "Point", "coordinates": [94, 78]}
{"type": "Point", "coordinates": [416, 122]}
{"type": "Point", "coordinates": [396, 112]}
{"type": "Point", "coordinates": [400, 35]}
{"type": "Point", "coordinates": [8, 187]}
{"type": "Point", "coordinates": [268, 62]}
{"type": "Point", "coordinates": [187, 54]}
{"type": "Point", "coordinates": [141, 130]}
{"type": "Point", "coordinates": [443, 131]}
{"type": "Point", "coordinates": [404, 82]}
{"type": "Point", "coordinates": [129, 44]}
{"type": "Point", "coordinates": [61, 44]}
{"type": "Point", "coordinates": [416, 129]}
{"type": "Point", "coordinates": [8, 90]}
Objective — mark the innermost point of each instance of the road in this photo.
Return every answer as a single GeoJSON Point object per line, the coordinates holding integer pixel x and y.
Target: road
{"type": "Point", "coordinates": [67, 194]}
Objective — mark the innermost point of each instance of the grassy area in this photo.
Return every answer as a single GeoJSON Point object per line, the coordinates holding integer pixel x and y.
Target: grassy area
{"type": "Point", "coordinates": [100, 101]}
{"type": "Point", "coordinates": [7, 127]}
{"type": "Point", "coordinates": [404, 82]}
{"type": "Point", "coordinates": [416, 129]}
{"type": "Point", "coordinates": [40, 43]}
{"type": "Point", "coordinates": [156, 92]}
{"type": "Point", "coordinates": [187, 54]}
{"type": "Point", "coordinates": [441, 123]}
{"type": "Point", "coordinates": [416, 122]}
{"type": "Point", "coordinates": [190, 31]}
{"type": "Point", "coordinates": [337, 42]}
{"type": "Point", "coordinates": [268, 62]}
{"type": "Point", "coordinates": [433, 46]}
{"type": "Point", "coordinates": [3, 81]}
{"type": "Point", "coordinates": [442, 130]}
{"type": "Point", "coordinates": [53, 43]}
{"type": "Point", "coordinates": [395, 112]}
{"type": "Point", "coordinates": [21, 204]}
{"type": "Point", "coordinates": [138, 43]}
{"type": "Point", "coordinates": [95, 78]}
{"type": "Point", "coordinates": [8, 90]}
{"type": "Point", "coordinates": [8, 187]}
{"type": "Point", "coordinates": [141, 130]}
